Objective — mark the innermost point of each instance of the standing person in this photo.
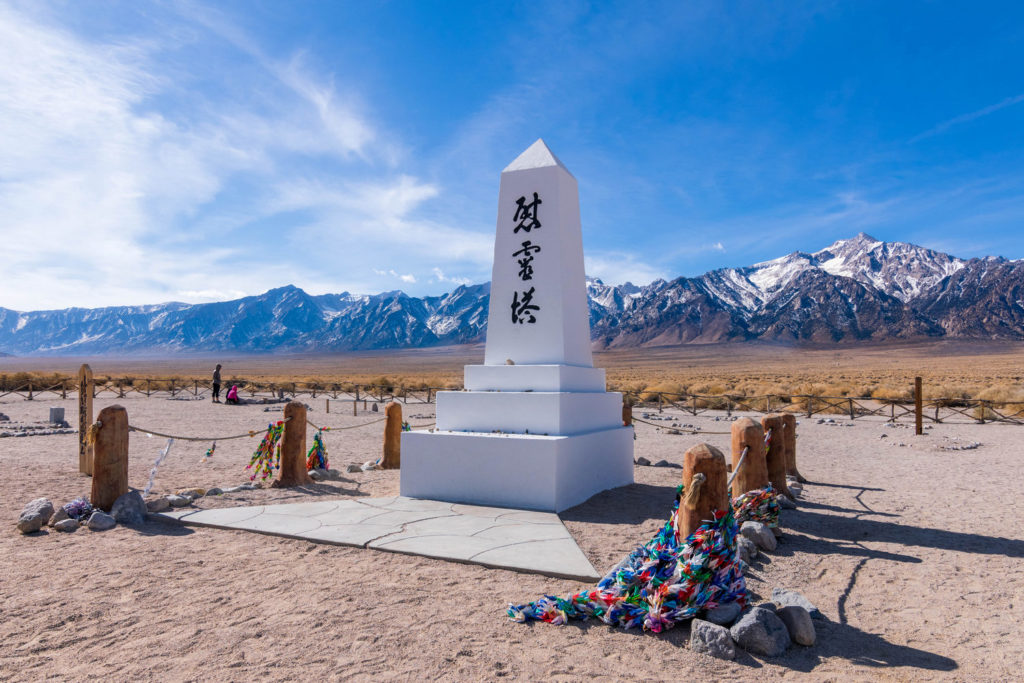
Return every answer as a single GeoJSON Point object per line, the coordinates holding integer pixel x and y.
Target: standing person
{"type": "Point", "coordinates": [216, 384]}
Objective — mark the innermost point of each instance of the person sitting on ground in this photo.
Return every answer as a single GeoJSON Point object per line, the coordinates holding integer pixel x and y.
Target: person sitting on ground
{"type": "Point", "coordinates": [232, 396]}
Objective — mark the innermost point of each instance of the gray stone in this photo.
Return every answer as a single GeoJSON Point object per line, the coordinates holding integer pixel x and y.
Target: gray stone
{"type": "Point", "coordinates": [369, 465]}
{"type": "Point", "coordinates": [101, 521]}
{"type": "Point", "coordinates": [247, 487]}
{"type": "Point", "coordinates": [129, 508]}
{"type": "Point", "coordinates": [663, 463]}
{"type": "Point", "coordinates": [59, 515]}
{"type": "Point", "coordinates": [761, 632]}
{"type": "Point", "coordinates": [353, 468]}
{"type": "Point", "coordinates": [178, 501]}
{"type": "Point", "coordinates": [643, 462]}
{"type": "Point", "coordinates": [158, 505]}
{"type": "Point", "coordinates": [35, 515]}
{"type": "Point", "coordinates": [317, 475]}
{"type": "Point", "coordinates": [760, 534]}
{"type": "Point", "coordinates": [67, 525]}
{"type": "Point", "coordinates": [711, 639]}
{"type": "Point", "coordinates": [784, 597]}
{"type": "Point", "coordinates": [373, 408]}
{"type": "Point", "coordinates": [230, 489]}
{"type": "Point", "coordinates": [746, 549]}
{"type": "Point", "coordinates": [57, 416]}
{"type": "Point", "coordinates": [333, 475]}
{"type": "Point", "coordinates": [724, 615]}
{"type": "Point", "coordinates": [796, 488]}
{"type": "Point", "coordinates": [786, 503]}
{"type": "Point", "coordinates": [776, 531]}
{"type": "Point", "coordinates": [798, 623]}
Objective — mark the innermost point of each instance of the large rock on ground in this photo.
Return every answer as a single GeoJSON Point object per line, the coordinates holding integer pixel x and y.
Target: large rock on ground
{"type": "Point", "coordinates": [157, 505]}
{"type": "Point", "coordinates": [59, 515]}
{"type": "Point", "coordinates": [101, 521]}
{"type": "Point", "coordinates": [129, 508]}
{"type": "Point", "coordinates": [760, 534]}
{"type": "Point", "coordinates": [784, 597]}
{"type": "Point", "coordinates": [798, 623]}
{"type": "Point", "coordinates": [67, 525]}
{"type": "Point", "coordinates": [711, 639]}
{"type": "Point", "coordinates": [724, 615]}
{"type": "Point", "coordinates": [761, 632]}
{"type": "Point", "coordinates": [35, 515]}
{"type": "Point", "coordinates": [178, 501]}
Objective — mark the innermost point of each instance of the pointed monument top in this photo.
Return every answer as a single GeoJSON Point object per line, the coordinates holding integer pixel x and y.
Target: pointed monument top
{"type": "Point", "coordinates": [536, 155]}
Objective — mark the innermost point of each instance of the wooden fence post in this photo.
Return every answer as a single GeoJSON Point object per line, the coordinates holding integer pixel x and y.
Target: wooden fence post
{"type": "Point", "coordinates": [627, 412]}
{"type": "Point", "coordinates": [355, 407]}
{"type": "Point", "coordinates": [327, 405]}
{"type": "Point", "coordinates": [753, 475]}
{"type": "Point", "coordinates": [85, 449]}
{"type": "Point", "coordinates": [789, 434]}
{"type": "Point", "coordinates": [293, 448]}
{"type": "Point", "coordinates": [775, 454]}
{"type": "Point", "coordinates": [918, 408]}
{"type": "Point", "coordinates": [110, 458]}
{"type": "Point", "coordinates": [713, 495]}
{"type": "Point", "coordinates": [392, 459]}
{"type": "Point", "coordinates": [852, 416]}
{"type": "Point", "coordinates": [810, 406]}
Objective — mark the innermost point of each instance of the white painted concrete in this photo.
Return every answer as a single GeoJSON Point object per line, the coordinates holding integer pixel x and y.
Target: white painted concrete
{"type": "Point", "coordinates": [518, 412]}
{"type": "Point", "coordinates": [534, 378]}
{"type": "Point", "coordinates": [525, 471]}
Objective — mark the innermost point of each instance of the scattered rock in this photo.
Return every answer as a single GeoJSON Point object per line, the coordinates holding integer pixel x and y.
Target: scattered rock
{"type": "Point", "coordinates": [784, 597]}
{"type": "Point", "coordinates": [761, 632]}
{"type": "Point", "coordinates": [369, 465]}
{"type": "Point", "coordinates": [796, 488]}
{"type": "Point", "coordinates": [35, 515]}
{"type": "Point", "coordinates": [724, 615]}
{"type": "Point", "coordinates": [247, 487]}
{"type": "Point", "coordinates": [158, 505]}
{"type": "Point", "coordinates": [101, 521]}
{"type": "Point", "coordinates": [353, 468]}
{"type": "Point", "coordinates": [317, 475]}
{"type": "Point", "coordinates": [746, 548]}
{"type": "Point", "coordinates": [230, 489]}
{"type": "Point", "coordinates": [883, 436]}
{"type": "Point", "coordinates": [711, 639]}
{"type": "Point", "coordinates": [178, 501]}
{"type": "Point", "coordinates": [67, 525]}
{"type": "Point", "coordinates": [333, 475]}
{"type": "Point", "coordinates": [59, 515]}
{"type": "Point", "coordinates": [214, 491]}
{"type": "Point", "coordinates": [786, 503]}
{"type": "Point", "coordinates": [192, 494]}
{"type": "Point", "coordinates": [129, 508]}
{"type": "Point", "coordinates": [643, 462]}
{"type": "Point", "coordinates": [760, 534]}
{"type": "Point", "coordinates": [663, 463]}
{"type": "Point", "coordinates": [798, 623]}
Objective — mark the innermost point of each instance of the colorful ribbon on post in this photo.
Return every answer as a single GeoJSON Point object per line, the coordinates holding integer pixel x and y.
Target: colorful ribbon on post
{"type": "Point", "coordinates": [316, 459]}
{"type": "Point", "coordinates": [268, 454]}
{"type": "Point", "coordinates": [659, 584]}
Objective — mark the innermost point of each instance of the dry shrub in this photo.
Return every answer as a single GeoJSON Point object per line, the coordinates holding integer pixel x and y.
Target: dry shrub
{"type": "Point", "coordinates": [670, 391]}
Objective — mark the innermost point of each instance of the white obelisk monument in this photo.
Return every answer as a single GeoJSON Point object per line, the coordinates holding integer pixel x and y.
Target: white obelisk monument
{"type": "Point", "coordinates": [535, 427]}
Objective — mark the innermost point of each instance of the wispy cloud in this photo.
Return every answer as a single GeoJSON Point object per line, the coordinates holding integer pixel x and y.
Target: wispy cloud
{"type": "Point", "coordinates": [965, 118]}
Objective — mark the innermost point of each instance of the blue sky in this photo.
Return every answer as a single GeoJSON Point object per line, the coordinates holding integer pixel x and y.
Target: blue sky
{"type": "Point", "coordinates": [199, 151]}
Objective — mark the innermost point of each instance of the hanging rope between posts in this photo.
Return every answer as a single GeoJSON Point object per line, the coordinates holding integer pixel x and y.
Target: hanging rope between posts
{"type": "Point", "coordinates": [736, 470]}
{"type": "Point", "coordinates": [688, 431]}
{"type": "Point", "coordinates": [338, 429]}
{"type": "Point", "coordinates": [250, 433]}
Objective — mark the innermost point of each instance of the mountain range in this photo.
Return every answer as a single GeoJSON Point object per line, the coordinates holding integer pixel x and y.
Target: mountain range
{"type": "Point", "coordinates": [860, 289]}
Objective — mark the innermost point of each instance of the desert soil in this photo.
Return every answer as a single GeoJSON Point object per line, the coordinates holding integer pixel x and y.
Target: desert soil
{"type": "Point", "coordinates": [912, 552]}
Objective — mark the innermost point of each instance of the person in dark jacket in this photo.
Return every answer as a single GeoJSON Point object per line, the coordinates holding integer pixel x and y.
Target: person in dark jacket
{"type": "Point", "coordinates": [216, 384]}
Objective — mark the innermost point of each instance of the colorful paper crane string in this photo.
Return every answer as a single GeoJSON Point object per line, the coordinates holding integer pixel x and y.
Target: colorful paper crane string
{"type": "Point", "coordinates": [268, 454]}
{"type": "Point", "coordinates": [759, 505]}
{"type": "Point", "coordinates": [659, 584]}
{"type": "Point", "coordinates": [209, 452]}
{"type": "Point", "coordinates": [316, 459]}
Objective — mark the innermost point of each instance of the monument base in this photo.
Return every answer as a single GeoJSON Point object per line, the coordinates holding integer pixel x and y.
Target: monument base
{"type": "Point", "coordinates": [535, 472]}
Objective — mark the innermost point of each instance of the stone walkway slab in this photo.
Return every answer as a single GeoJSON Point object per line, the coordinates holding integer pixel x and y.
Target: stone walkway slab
{"type": "Point", "coordinates": [522, 540]}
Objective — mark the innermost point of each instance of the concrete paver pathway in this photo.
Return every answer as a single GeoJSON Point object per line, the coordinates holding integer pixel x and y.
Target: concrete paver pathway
{"type": "Point", "coordinates": [522, 540]}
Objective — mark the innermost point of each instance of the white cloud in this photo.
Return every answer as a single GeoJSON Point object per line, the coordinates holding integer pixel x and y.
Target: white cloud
{"type": "Point", "coordinates": [439, 276]}
{"type": "Point", "coordinates": [618, 268]}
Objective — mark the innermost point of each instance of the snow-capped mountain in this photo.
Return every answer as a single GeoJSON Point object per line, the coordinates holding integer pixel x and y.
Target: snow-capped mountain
{"type": "Point", "coordinates": [856, 289]}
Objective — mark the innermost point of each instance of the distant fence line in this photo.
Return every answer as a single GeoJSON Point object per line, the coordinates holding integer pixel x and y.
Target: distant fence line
{"type": "Point", "coordinates": [936, 410]}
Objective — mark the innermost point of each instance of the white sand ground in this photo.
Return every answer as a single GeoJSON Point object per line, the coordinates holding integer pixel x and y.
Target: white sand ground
{"type": "Point", "coordinates": [914, 555]}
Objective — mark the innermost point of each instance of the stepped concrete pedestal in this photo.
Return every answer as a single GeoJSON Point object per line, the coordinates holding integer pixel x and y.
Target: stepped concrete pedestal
{"type": "Point", "coordinates": [535, 427]}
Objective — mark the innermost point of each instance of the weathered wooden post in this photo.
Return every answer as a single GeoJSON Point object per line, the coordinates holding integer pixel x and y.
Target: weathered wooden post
{"type": "Point", "coordinates": [753, 475]}
{"type": "Point", "coordinates": [327, 405]}
{"type": "Point", "coordinates": [110, 458]}
{"type": "Point", "coordinates": [702, 497]}
{"type": "Point", "coordinates": [293, 448]}
{"type": "Point", "coordinates": [627, 412]}
{"type": "Point", "coordinates": [775, 454]}
{"type": "Point", "coordinates": [852, 415]}
{"type": "Point", "coordinates": [84, 419]}
{"type": "Point", "coordinates": [355, 407]}
{"type": "Point", "coordinates": [392, 459]}
{"type": "Point", "coordinates": [918, 408]}
{"type": "Point", "coordinates": [789, 434]}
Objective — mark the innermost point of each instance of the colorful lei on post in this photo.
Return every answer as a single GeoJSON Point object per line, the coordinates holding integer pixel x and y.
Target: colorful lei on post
{"type": "Point", "coordinates": [316, 459]}
{"type": "Point", "coordinates": [759, 505]}
{"type": "Point", "coordinates": [659, 584]}
{"type": "Point", "coordinates": [268, 454]}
